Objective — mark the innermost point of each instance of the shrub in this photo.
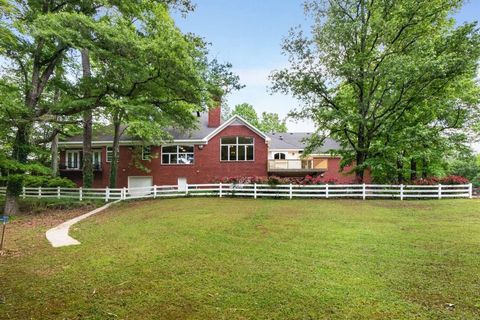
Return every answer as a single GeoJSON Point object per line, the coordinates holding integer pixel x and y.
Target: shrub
{"type": "Point", "coordinates": [454, 180]}
{"type": "Point", "coordinates": [444, 180]}
{"type": "Point", "coordinates": [241, 180]}
{"type": "Point", "coordinates": [274, 180]}
{"type": "Point", "coordinates": [46, 181]}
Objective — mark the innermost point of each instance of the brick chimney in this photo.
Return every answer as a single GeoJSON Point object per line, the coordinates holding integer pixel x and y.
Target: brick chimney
{"type": "Point", "coordinates": [214, 116]}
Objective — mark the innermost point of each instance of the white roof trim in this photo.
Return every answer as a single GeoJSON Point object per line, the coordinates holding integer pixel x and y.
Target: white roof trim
{"type": "Point", "coordinates": [230, 121]}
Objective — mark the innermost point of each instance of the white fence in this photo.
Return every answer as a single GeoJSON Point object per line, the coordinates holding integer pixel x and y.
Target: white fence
{"type": "Point", "coordinates": [362, 191]}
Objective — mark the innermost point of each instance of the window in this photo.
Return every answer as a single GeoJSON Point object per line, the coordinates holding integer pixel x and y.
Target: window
{"type": "Point", "coordinates": [109, 154]}
{"type": "Point", "coordinates": [146, 153]}
{"type": "Point", "coordinates": [72, 159]}
{"type": "Point", "coordinates": [236, 149]}
{"type": "Point", "coordinates": [279, 156]}
{"type": "Point", "coordinates": [97, 159]}
{"type": "Point", "coordinates": [178, 154]}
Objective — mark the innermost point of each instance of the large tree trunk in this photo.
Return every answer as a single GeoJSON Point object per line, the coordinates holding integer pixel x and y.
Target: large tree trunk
{"type": "Point", "coordinates": [20, 152]}
{"type": "Point", "coordinates": [360, 156]}
{"type": "Point", "coordinates": [54, 147]}
{"type": "Point", "coordinates": [413, 169]}
{"type": "Point", "coordinates": [115, 155]}
{"type": "Point", "coordinates": [359, 171]}
{"type": "Point", "coordinates": [87, 128]}
{"type": "Point", "coordinates": [400, 177]}
{"type": "Point", "coordinates": [424, 168]}
{"type": "Point", "coordinates": [54, 154]}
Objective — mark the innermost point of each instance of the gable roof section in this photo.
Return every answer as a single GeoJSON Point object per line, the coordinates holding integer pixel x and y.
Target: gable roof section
{"type": "Point", "coordinates": [236, 120]}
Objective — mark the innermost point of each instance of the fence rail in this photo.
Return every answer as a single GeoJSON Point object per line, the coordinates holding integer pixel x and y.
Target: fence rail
{"type": "Point", "coordinates": [362, 191]}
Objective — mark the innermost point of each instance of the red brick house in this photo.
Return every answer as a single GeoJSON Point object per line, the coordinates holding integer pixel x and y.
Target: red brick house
{"type": "Point", "coordinates": [213, 150]}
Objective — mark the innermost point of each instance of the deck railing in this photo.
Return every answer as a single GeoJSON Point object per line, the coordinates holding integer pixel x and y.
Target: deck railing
{"type": "Point", "coordinates": [291, 165]}
{"type": "Point", "coordinates": [361, 191]}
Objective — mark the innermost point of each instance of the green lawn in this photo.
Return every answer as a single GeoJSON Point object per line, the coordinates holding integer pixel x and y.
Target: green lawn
{"type": "Point", "coordinates": [251, 259]}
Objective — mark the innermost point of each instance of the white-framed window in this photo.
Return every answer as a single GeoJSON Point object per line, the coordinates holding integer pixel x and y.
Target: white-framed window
{"type": "Point", "coordinates": [178, 154]}
{"type": "Point", "coordinates": [109, 154]}
{"type": "Point", "coordinates": [146, 153]}
{"type": "Point", "coordinates": [279, 156]}
{"type": "Point", "coordinates": [72, 159]}
{"type": "Point", "coordinates": [97, 159]}
{"type": "Point", "coordinates": [236, 149]}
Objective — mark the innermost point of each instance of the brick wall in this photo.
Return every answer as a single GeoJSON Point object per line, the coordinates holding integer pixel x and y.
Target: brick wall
{"type": "Point", "coordinates": [207, 165]}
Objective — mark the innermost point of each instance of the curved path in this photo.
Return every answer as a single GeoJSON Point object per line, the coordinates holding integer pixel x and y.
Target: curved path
{"type": "Point", "coordinates": [59, 237]}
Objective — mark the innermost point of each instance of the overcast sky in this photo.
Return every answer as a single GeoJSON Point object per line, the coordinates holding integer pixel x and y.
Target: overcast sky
{"type": "Point", "coordinates": [249, 33]}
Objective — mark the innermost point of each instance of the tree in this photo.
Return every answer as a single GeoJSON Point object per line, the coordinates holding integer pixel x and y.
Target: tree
{"type": "Point", "coordinates": [36, 38]}
{"type": "Point", "coordinates": [87, 169]}
{"type": "Point", "coordinates": [268, 122]}
{"type": "Point", "coordinates": [271, 122]}
{"type": "Point", "coordinates": [370, 65]}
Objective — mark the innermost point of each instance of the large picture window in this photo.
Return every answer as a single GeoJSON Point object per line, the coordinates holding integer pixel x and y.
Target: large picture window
{"type": "Point", "coordinates": [236, 149]}
{"type": "Point", "coordinates": [72, 159]}
{"type": "Point", "coordinates": [178, 154]}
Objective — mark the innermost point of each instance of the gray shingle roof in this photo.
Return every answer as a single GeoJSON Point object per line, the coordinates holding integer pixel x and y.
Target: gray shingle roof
{"type": "Point", "coordinates": [296, 140]}
{"type": "Point", "coordinates": [293, 140]}
{"type": "Point", "coordinates": [196, 134]}
{"type": "Point", "coordinates": [200, 132]}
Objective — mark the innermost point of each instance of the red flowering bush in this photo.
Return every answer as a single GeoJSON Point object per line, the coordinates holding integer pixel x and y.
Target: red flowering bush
{"type": "Point", "coordinates": [444, 180]}
{"type": "Point", "coordinates": [454, 180]}
{"type": "Point", "coordinates": [242, 180]}
{"type": "Point", "coordinates": [274, 180]}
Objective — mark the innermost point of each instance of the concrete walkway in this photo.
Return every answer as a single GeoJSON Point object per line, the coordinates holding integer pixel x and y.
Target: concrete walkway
{"type": "Point", "coordinates": [59, 237]}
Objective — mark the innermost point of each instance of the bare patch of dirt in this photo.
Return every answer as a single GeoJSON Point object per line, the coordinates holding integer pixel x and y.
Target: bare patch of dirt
{"type": "Point", "coordinates": [26, 231]}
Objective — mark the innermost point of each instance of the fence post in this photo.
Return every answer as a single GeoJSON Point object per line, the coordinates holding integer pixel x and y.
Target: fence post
{"type": "Point", "coordinates": [326, 191]}
{"type": "Point", "coordinates": [124, 193]}
{"type": "Point", "coordinates": [58, 192]}
{"type": "Point", "coordinates": [107, 194]}
{"type": "Point", "coordinates": [39, 192]}
{"type": "Point", "coordinates": [23, 192]}
{"type": "Point", "coordinates": [291, 193]}
{"type": "Point", "coordinates": [186, 189]}
{"type": "Point", "coordinates": [470, 190]}
{"type": "Point", "coordinates": [364, 191]}
{"type": "Point", "coordinates": [439, 191]}
{"type": "Point", "coordinates": [255, 191]}
{"type": "Point", "coordinates": [401, 191]}
{"type": "Point", "coordinates": [80, 193]}
{"type": "Point", "coordinates": [154, 191]}
{"type": "Point", "coordinates": [220, 190]}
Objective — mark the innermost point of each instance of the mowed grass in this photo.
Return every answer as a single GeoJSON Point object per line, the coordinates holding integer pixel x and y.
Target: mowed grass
{"type": "Point", "coordinates": [225, 258]}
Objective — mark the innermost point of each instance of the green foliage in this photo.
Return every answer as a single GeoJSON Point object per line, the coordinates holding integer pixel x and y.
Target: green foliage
{"type": "Point", "coordinates": [48, 181]}
{"type": "Point", "coordinates": [468, 167]}
{"type": "Point", "coordinates": [145, 74]}
{"type": "Point", "coordinates": [392, 81]}
{"type": "Point", "coordinates": [271, 122]}
{"type": "Point", "coordinates": [268, 122]}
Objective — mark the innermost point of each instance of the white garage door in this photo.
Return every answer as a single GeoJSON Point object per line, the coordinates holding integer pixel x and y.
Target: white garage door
{"type": "Point", "coordinates": [139, 182]}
